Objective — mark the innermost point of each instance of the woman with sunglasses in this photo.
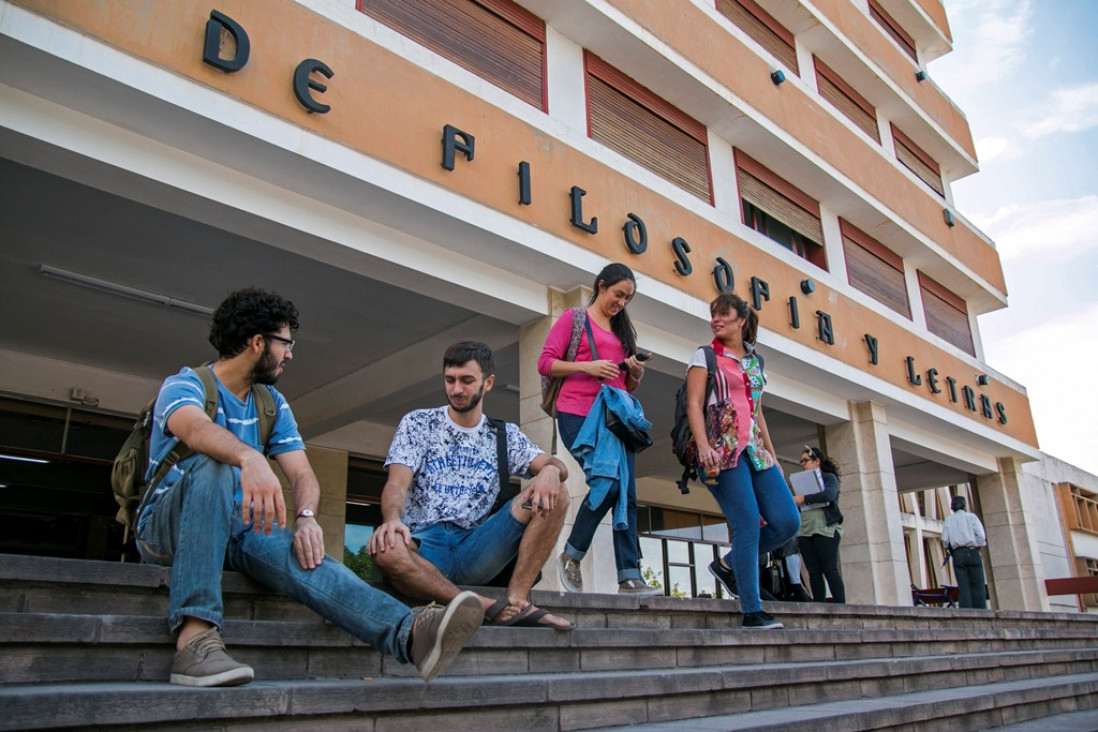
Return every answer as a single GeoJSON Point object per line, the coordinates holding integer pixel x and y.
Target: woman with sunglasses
{"type": "Point", "coordinates": [821, 529]}
{"type": "Point", "coordinates": [734, 451]}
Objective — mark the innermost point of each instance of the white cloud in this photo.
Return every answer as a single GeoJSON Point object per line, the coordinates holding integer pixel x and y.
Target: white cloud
{"type": "Point", "coordinates": [1070, 110]}
{"type": "Point", "coordinates": [1043, 228]}
{"type": "Point", "coordinates": [997, 148]}
{"type": "Point", "coordinates": [1053, 362]}
{"type": "Point", "coordinates": [997, 44]}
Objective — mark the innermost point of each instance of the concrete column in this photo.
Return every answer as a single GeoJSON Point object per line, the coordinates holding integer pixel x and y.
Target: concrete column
{"type": "Point", "coordinates": [599, 572]}
{"type": "Point", "coordinates": [874, 561]}
{"type": "Point", "coordinates": [330, 467]}
{"type": "Point", "coordinates": [1007, 508]}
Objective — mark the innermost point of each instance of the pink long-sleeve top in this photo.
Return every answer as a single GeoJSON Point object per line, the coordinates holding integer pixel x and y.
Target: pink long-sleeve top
{"type": "Point", "coordinates": [578, 392]}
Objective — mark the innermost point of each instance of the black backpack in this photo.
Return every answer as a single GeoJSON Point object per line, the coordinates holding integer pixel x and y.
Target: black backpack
{"type": "Point", "coordinates": [128, 471]}
{"type": "Point", "coordinates": [681, 436]}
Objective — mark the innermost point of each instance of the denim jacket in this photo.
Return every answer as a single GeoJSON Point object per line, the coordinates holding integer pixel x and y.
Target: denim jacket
{"type": "Point", "coordinates": [602, 454]}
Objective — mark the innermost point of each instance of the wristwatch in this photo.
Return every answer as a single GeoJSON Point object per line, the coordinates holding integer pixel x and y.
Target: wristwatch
{"type": "Point", "coordinates": [307, 513]}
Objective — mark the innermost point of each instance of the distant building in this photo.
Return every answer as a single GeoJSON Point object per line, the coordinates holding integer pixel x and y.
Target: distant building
{"type": "Point", "coordinates": [412, 173]}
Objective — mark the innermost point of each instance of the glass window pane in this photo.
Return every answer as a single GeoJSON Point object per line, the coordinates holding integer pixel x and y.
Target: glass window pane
{"type": "Point", "coordinates": [715, 528]}
{"type": "Point", "coordinates": [678, 552]}
{"type": "Point", "coordinates": [651, 559]}
{"type": "Point", "coordinates": [680, 582]}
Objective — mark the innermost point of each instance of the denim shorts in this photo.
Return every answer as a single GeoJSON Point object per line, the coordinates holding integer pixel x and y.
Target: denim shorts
{"type": "Point", "coordinates": [472, 556]}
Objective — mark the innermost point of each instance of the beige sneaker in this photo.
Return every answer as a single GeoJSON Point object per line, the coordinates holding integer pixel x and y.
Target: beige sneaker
{"type": "Point", "coordinates": [440, 633]}
{"type": "Point", "coordinates": [570, 575]}
{"type": "Point", "coordinates": [204, 662]}
{"type": "Point", "coordinates": [638, 587]}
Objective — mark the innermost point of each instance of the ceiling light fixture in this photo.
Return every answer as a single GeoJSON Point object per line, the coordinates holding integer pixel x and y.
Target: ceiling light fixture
{"type": "Point", "coordinates": [21, 459]}
{"type": "Point", "coordinates": [130, 293]}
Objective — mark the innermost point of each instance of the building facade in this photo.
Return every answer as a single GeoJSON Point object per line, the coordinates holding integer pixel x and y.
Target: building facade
{"type": "Point", "coordinates": [416, 172]}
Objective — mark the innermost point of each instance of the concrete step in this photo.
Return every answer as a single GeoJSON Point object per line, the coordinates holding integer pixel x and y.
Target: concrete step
{"type": "Point", "coordinates": [47, 585]}
{"type": "Point", "coordinates": [772, 698]}
{"type": "Point", "coordinates": [56, 647]}
{"type": "Point", "coordinates": [1028, 705]}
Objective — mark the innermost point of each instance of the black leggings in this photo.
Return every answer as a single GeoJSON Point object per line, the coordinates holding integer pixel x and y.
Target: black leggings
{"type": "Point", "coordinates": [821, 558]}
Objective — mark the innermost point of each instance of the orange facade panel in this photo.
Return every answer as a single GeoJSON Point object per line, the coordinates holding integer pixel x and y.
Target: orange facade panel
{"type": "Point", "coordinates": [404, 132]}
{"type": "Point", "coordinates": [693, 34]}
{"type": "Point", "coordinates": [937, 14]}
{"type": "Point", "coordinates": [863, 32]}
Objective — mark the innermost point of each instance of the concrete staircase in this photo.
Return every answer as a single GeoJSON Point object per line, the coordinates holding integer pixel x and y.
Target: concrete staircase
{"type": "Point", "coordinates": [84, 645]}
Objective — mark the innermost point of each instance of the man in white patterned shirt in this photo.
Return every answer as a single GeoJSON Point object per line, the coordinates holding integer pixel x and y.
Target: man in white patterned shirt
{"type": "Point", "coordinates": [438, 528]}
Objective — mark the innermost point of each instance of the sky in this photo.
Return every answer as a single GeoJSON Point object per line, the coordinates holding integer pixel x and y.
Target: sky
{"type": "Point", "coordinates": [1025, 73]}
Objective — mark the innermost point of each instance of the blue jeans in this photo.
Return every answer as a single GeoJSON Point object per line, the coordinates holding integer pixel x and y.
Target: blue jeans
{"type": "Point", "coordinates": [626, 553]}
{"type": "Point", "coordinates": [744, 494]}
{"type": "Point", "coordinates": [196, 528]}
{"type": "Point", "coordinates": [472, 556]}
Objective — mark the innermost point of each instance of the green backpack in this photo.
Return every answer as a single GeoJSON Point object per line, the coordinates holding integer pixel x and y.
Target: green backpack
{"type": "Point", "coordinates": [128, 472]}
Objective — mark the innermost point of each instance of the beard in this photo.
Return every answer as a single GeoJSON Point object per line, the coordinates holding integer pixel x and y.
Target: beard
{"type": "Point", "coordinates": [473, 402]}
{"type": "Point", "coordinates": [265, 370]}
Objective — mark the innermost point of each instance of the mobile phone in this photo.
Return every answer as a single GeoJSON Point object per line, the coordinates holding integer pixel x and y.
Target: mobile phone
{"type": "Point", "coordinates": [641, 356]}
{"type": "Point", "coordinates": [528, 505]}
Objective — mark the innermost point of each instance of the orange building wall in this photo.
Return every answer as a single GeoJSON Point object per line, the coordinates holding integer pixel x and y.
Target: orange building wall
{"type": "Point", "coordinates": [406, 130]}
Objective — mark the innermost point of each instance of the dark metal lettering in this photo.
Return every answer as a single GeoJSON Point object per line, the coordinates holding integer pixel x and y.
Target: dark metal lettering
{"type": "Point", "coordinates": [1000, 409]}
{"type": "Point", "coordinates": [682, 262]}
{"type": "Point", "coordinates": [932, 381]}
{"type": "Point", "coordinates": [303, 83]}
{"type": "Point", "coordinates": [913, 377]}
{"type": "Point", "coordinates": [952, 384]}
{"type": "Point", "coordinates": [524, 183]}
{"type": "Point", "coordinates": [211, 50]}
{"type": "Point", "coordinates": [794, 313]}
{"type": "Point", "coordinates": [636, 234]}
{"type": "Point", "coordinates": [985, 407]}
{"type": "Point", "coordinates": [723, 276]}
{"type": "Point", "coordinates": [454, 141]}
{"type": "Point", "coordinates": [760, 291]}
{"type": "Point", "coordinates": [824, 331]}
{"type": "Point", "coordinates": [872, 343]}
{"type": "Point", "coordinates": [577, 212]}
{"type": "Point", "coordinates": [970, 398]}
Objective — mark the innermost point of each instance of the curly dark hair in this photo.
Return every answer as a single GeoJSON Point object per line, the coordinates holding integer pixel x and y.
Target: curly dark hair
{"type": "Point", "coordinates": [245, 313]}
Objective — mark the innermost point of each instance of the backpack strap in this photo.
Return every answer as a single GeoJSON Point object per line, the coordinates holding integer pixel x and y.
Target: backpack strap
{"type": "Point", "coordinates": [180, 451]}
{"type": "Point", "coordinates": [501, 462]}
{"type": "Point", "coordinates": [266, 411]}
{"type": "Point", "coordinates": [711, 373]}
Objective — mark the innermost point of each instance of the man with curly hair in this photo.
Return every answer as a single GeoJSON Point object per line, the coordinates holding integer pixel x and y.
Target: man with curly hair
{"type": "Point", "coordinates": [223, 505]}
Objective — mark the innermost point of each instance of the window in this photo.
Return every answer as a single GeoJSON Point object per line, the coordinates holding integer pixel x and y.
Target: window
{"type": "Point", "coordinates": [763, 29]}
{"type": "Point", "coordinates": [677, 547]}
{"type": "Point", "coordinates": [917, 161]}
{"type": "Point", "coordinates": [495, 39]}
{"type": "Point", "coordinates": [874, 269]}
{"type": "Point", "coordinates": [893, 29]}
{"type": "Point", "coordinates": [777, 210]}
{"type": "Point", "coordinates": [628, 118]}
{"type": "Point", "coordinates": [946, 314]}
{"type": "Point", "coordinates": [852, 104]}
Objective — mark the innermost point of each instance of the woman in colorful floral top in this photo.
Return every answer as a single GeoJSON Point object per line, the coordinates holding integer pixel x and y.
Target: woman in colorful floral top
{"type": "Point", "coordinates": [734, 450]}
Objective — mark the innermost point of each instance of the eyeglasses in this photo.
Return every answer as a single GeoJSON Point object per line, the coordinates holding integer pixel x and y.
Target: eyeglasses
{"type": "Point", "coordinates": [286, 341]}
{"type": "Point", "coordinates": [806, 460]}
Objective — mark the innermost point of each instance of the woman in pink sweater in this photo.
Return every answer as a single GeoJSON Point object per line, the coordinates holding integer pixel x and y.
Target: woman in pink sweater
{"type": "Point", "coordinates": [616, 343]}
